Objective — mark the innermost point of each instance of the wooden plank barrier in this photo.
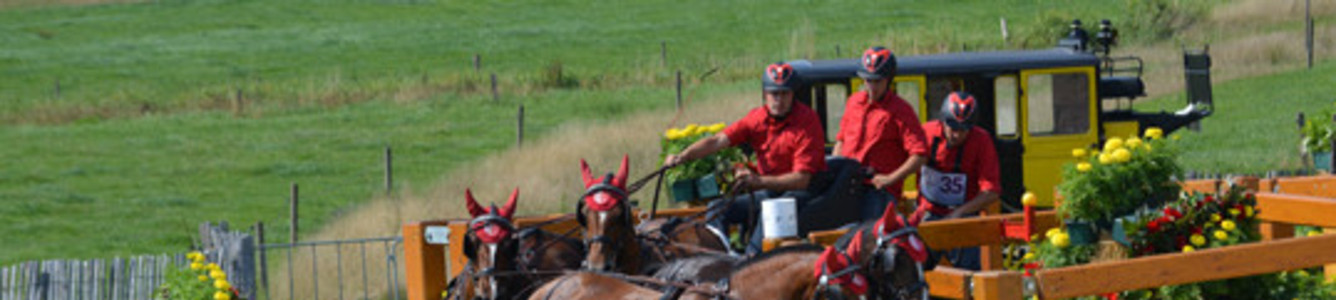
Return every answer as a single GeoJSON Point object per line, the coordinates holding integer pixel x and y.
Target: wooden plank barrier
{"type": "Point", "coordinates": [1181, 268]}
{"type": "Point", "coordinates": [959, 233]}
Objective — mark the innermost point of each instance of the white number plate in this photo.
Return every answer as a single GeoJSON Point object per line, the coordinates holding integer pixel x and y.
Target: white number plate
{"type": "Point", "coordinates": [438, 235]}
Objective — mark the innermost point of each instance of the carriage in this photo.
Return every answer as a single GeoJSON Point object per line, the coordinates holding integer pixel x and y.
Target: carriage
{"type": "Point", "coordinates": [1038, 104]}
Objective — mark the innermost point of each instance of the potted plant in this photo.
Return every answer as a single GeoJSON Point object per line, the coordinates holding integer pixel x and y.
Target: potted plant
{"type": "Point", "coordinates": [1113, 182]}
{"type": "Point", "coordinates": [1318, 132]}
{"type": "Point", "coordinates": [701, 178]}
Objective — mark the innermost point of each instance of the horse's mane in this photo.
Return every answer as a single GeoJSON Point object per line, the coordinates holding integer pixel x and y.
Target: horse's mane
{"type": "Point", "coordinates": [801, 248]}
{"type": "Point", "coordinates": [848, 237]}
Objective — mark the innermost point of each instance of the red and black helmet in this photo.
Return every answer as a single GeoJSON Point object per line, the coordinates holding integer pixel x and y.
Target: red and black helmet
{"type": "Point", "coordinates": [779, 77]}
{"type": "Point", "coordinates": [957, 109]}
{"type": "Point", "coordinates": [877, 63]}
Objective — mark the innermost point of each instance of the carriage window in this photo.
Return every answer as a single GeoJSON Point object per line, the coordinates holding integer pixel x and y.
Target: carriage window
{"type": "Point", "coordinates": [1058, 103]}
{"type": "Point", "coordinates": [938, 89]}
{"type": "Point", "coordinates": [1005, 94]}
{"type": "Point", "coordinates": [909, 90]}
{"type": "Point", "coordinates": [836, 96]}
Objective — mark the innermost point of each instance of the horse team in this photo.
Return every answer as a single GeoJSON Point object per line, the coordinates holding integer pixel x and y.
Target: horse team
{"type": "Point", "coordinates": [675, 258]}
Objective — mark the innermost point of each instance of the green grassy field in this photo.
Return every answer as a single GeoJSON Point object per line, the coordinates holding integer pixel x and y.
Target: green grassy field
{"type": "Point", "coordinates": [119, 60]}
{"type": "Point", "coordinates": [139, 146]}
{"type": "Point", "coordinates": [1254, 129]}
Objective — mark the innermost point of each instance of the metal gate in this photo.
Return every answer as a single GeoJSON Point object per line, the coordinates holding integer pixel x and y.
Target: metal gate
{"type": "Point", "coordinates": [358, 274]}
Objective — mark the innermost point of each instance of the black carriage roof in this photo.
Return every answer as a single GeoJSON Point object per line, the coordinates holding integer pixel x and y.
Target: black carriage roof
{"type": "Point", "coordinates": [837, 70]}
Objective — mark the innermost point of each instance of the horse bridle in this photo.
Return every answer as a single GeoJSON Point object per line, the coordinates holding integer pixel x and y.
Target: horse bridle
{"type": "Point", "coordinates": [620, 195]}
{"type": "Point", "coordinates": [884, 261]}
{"type": "Point", "coordinates": [825, 290]}
{"type": "Point", "coordinates": [471, 252]}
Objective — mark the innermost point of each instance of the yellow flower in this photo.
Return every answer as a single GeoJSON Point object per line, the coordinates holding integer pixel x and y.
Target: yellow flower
{"type": "Point", "coordinates": [1079, 153]}
{"type": "Point", "coordinates": [717, 127]}
{"type": "Point", "coordinates": [1233, 211]}
{"type": "Point", "coordinates": [195, 256]}
{"type": "Point", "coordinates": [691, 130]}
{"type": "Point", "coordinates": [1314, 232]}
{"type": "Point", "coordinates": [1052, 231]}
{"type": "Point", "coordinates": [1061, 240]}
{"type": "Point", "coordinates": [1198, 240]}
{"type": "Point", "coordinates": [221, 284]}
{"type": "Point", "coordinates": [220, 295]}
{"type": "Point", "coordinates": [216, 274]}
{"type": "Point", "coordinates": [1028, 199]}
{"type": "Point", "coordinates": [1188, 248]}
{"type": "Point", "coordinates": [1302, 273]}
{"type": "Point", "coordinates": [196, 266]}
{"type": "Point", "coordinates": [1122, 155]}
{"type": "Point", "coordinates": [1215, 217]}
{"type": "Point", "coordinates": [1248, 211]}
{"type": "Point", "coordinates": [445, 294]}
{"type": "Point", "coordinates": [214, 267]}
{"type": "Point", "coordinates": [1113, 143]}
{"type": "Point", "coordinates": [1105, 159]}
{"type": "Point", "coordinates": [203, 278]}
{"type": "Point", "coordinates": [1028, 256]}
{"type": "Point", "coordinates": [1154, 133]}
{"type": "Point", "coordinates": [1083, 167]}
{"type": "Point", "coordinates": [1132, 142]}
{"type": "Point", "coordinates": [1227, 225]}
{"type": "Point", "coordinates": [1177, 136]}
{"type": "Point", "coordinates": [672, 134]}
{"type": "Point", "coordinates": [1221, 235]}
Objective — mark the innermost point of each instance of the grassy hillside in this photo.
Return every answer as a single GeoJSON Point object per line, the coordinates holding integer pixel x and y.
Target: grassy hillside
{"type": "Point", "coordinates": [140, 145]}
{"type": "Point", "coordinates": [1253, 129]}
{"type": "Point", "coordinates": [122, 60]}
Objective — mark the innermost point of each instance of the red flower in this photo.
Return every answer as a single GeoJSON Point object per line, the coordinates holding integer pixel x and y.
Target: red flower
{"type": "Point", "coordinates": [1196, 230]}
{"type": "Point", "coordinates": [1170, 211]}
{"type": "Point", "coordinates": [1153, 226]}
{"type": "Point", "coordinates": [1111, 296]}
{"type": "Point", "coordinates": [1208, 199]}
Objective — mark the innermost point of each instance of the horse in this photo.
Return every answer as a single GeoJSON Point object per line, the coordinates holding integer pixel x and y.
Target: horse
{"type": "Point", "coordinates": [612, 241]}
{"type": "Point", "coordinates": [795, 272]}
{"type": "Point", "coordinates": [504, 264]}
{"type": "Point", "coordinates": [892, 255]}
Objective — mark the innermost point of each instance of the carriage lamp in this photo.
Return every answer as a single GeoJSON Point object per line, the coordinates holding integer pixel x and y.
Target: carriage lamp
{"type": "Point", "coordinates": [1107, 36]}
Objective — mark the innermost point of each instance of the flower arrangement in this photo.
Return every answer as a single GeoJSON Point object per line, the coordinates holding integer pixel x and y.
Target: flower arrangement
{"type": "Point", "coordinates": [202, 280]}
{"type": "Point", "coordinates": [677, 139]}
{"type": "Point", "coordinates": [1122, 176]}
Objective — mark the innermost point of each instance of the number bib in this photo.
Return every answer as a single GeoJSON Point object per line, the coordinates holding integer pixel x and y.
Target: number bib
{"type": "Point", "coordinates": [942, 188]}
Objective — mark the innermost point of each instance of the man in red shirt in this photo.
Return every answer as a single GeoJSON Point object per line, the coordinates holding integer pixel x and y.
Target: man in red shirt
{"type": "Point", "coordinates": [961, 177]}
{"type": "Point", "coordinates": [789, 145]}
{"type": "Point", "coordinates": [881, 131]}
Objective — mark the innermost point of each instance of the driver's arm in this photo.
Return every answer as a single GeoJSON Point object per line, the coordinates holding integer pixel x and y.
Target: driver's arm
{"type": "Point", "coordinates": [980, 202]}
{"type": "Point", "coordinates": [909, 167]}
{"type": "Point", "coordinates": [699, 149]}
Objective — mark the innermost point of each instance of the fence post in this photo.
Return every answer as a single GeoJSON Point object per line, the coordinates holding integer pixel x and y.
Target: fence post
{"type": "Point", "coordinates": [679, 90]}
{"type": "Point", "coordinates": [389, 172]}
{"type": "Point", "coordinates": [1006, 36]}
{"type": "Point", "coordinates": [519, 129]}
{"type": "Point", "coordinates": [477, 62]}
{"type": "Point", "coordinates": [238, 104]}
{"type": "Point", "coordinates": [1308, 30]}
{"type": "Point", "coordinates": [292, 204]}
{"type": "Point", "coordinates": [263, 268]}
{"type": "Point", "coordinates": [495, 96]}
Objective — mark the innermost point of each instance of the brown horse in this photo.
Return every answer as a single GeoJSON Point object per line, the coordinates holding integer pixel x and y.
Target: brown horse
{"type": "Point", "coordinates": [799, 272]}
{"type": "Point", "coordinates": [612, 241]}
{"type": "Point", "coordinates": [504, 264]}
{"type": "Point", "coordinates": [892, 255]}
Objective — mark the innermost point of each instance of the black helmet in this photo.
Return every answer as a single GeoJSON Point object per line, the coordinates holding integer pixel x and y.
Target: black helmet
{"type": "Point", "coordinates": [779, 77]}
{"type": "Point", "coordinates": [957, 109]}
{"type": "Point", "coordinates": [877, 63]}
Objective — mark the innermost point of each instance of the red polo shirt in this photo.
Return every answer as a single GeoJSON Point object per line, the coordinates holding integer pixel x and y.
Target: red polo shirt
{"type": "Point", "coordinates": [881, 134]}
{"type": "Point", "coordinates": [979, 162]}
{"type": "Point", "coordinates": [795, 144]}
